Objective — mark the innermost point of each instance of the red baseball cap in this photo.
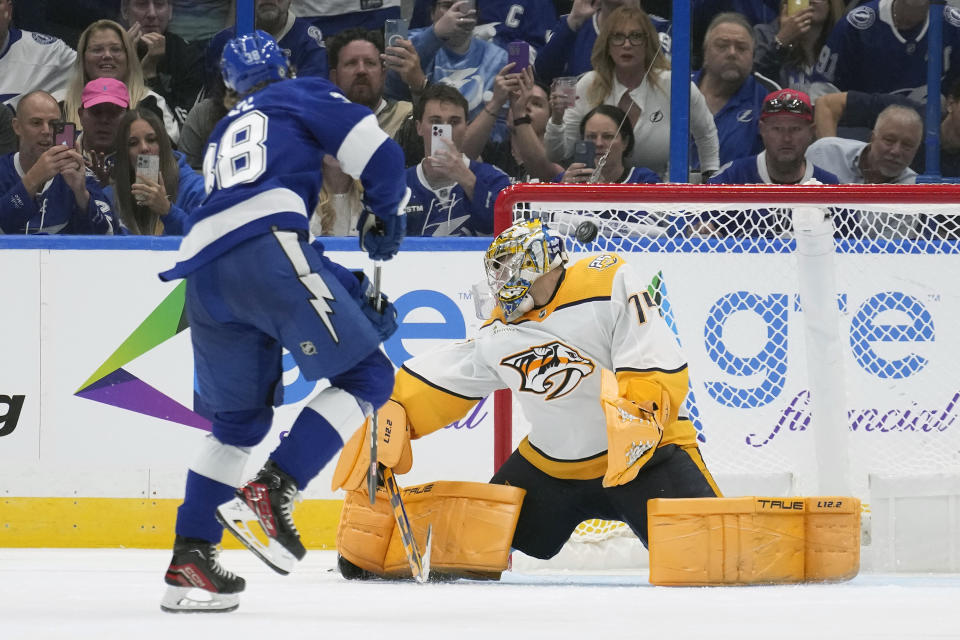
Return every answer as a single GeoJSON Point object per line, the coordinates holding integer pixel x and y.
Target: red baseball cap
{"type": "Point", "coordinates": [787, 102]}
{"type": "Point", "coordinates": [105, 90]}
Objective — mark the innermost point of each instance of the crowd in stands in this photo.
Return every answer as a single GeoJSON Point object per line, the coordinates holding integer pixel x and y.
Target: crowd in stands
{"type": "Point", "coordinates": [479, 94]}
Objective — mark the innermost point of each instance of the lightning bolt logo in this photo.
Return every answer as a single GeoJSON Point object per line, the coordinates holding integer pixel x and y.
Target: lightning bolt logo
{"type": "Point", "coordinates": [321, 293]}
{"type": "Point", "coordinates": [290, 243]}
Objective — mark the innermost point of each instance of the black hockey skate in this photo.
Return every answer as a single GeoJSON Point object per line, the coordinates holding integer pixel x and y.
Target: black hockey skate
{"type": "Point", "coordinates": [195, 567]}
{"type": "Point", "coordinates": [267, 499]}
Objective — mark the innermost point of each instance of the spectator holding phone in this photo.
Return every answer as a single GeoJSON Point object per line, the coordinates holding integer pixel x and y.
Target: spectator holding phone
{"type": "Point", "coordinates": [106, 51]}
{"type": "Point", "coordinates": [451, 195]}
{"type": "Point", "coordinates": [45, 187]}
{"type": "Point", "coordinates": [608, 139]}
{"type": "Point", "coordinates": [631, 72]}
{"type": "Point", "coordinates": [151, 204]}
{"type": "Point", "coordinates": [450, 54]}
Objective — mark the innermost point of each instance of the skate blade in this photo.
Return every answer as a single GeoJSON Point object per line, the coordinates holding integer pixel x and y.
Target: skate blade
{"type": "Point", "coordinates": [195, 600]}
{"type": "Point", "coordinates": [237, 518]}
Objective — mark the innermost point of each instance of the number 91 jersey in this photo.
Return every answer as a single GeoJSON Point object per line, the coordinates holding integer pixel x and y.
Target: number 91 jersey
{"type": "Point", "coordinates": [262, 166]}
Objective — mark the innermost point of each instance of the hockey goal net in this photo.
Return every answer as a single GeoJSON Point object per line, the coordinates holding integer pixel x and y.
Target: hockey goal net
{"type": "Point", "coordinates": [820, 323]}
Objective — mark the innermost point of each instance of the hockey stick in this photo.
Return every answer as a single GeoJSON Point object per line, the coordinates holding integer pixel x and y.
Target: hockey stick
{"type": "Point", "coordinates": [372, 474]}
{"type": "Point", "coordinates": [419, 563]}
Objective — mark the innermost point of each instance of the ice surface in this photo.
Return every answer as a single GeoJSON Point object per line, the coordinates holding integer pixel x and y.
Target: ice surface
{"type": "Point", "coordinates": [102, 594]}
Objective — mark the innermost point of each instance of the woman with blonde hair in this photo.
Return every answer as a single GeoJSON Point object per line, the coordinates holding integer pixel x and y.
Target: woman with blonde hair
{"type": "Point", "coordinates": [105, 51]}
{"type": "Point", "coordinates": [631, 72]}
{"type": "Point", "coordinates": [147, 205]}
{"type": "Point", "coordinates": [789, 46]}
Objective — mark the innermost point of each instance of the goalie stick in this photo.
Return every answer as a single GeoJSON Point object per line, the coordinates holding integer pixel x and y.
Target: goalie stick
{"type": "Point", "coordinates": [419, 563]}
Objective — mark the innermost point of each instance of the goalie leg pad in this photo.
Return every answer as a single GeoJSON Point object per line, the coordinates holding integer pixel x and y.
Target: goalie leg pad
{"type": "Point", "coordinates": [393, 448]}
{"type": "Point", "coordinates": [753, 540]}
{"type": "Point", "coordinates": [473, 525]}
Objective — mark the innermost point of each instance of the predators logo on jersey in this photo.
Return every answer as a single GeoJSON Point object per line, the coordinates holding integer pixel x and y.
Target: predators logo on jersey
{"type": "Point", "coordinates": [554, 369]}
{"type": "Point", "coordinates": [603, 261]}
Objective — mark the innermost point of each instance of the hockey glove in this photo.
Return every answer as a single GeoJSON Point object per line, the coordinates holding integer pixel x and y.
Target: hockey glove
{"type": "Point", "coordinates": [382, 314]}
{"type": "Point", "coordinates": [380, 237]}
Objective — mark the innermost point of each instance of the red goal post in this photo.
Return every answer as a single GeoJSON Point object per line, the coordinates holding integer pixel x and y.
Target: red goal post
{"type": "Point", "coordinates": [906, 201]}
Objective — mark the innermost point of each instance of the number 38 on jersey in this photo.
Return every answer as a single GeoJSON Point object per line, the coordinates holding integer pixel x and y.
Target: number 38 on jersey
{"type": "Point", "coordinates": [240, 156]}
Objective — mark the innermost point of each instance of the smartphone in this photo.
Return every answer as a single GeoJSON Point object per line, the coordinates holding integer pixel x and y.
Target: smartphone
{"type": "Point", "coordinates": [393, 30]}
{"type": "Point", "coordinates": [442, 131]}
{"type": "Point", "coordinates": [585, 151]}
{"type": "Point", "coordinates": [518, 52]}
{"type": "Point", "coordinates": [471, 5]}
{"type": "Point", "coordinates": [796, 6]}
{"type": "Point", "coordinates": [64, 133]}
{"type": "Point", "coordinates": [148, 166]}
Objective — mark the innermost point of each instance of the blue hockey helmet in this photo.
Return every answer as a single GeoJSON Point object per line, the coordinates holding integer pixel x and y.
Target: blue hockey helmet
{"type": "Point", "coordinates": [252, 59]}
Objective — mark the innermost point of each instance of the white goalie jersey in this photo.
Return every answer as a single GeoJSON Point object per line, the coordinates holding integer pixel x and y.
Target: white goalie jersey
{"type": "Point", "coordinates": [601, 317]}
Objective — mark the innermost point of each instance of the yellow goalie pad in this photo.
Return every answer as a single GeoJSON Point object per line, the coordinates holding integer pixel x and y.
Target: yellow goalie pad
{"type": "Point", "coordinates": [753, 540]}
{"type": "Point", "coordinates": [472, 522]}
{"type": "Point", "coordinates": [393, 448]}
{"type": "Point", "coordinates": [634, 431]}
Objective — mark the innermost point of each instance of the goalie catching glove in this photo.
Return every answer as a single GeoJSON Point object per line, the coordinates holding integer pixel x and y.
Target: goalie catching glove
{"type": "Point", "coordinates": [634, 428]}
{"type": "Point", "coordinates": [393, 448]}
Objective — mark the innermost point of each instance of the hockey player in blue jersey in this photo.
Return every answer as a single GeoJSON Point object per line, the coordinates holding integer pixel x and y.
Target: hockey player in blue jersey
{"type": "Point", "coordinates": [254, 285]}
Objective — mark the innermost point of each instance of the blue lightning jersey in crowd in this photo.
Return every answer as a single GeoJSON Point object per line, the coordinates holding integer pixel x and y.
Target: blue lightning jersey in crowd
{"type": "Point", "coordinates": [865, 52]}
{"type": "Point", "coordinates": [567, 52]}
{"type": "Point", "coordinates": [511, 20]}
{"type": "Point", "coordinates": [447, 211]}
{"type": "Point", "coordinates": [301, 42]}
{"type": "Point", "coordinates": [54, 209]}
{"type": "Point", "coordinates": [262, 166]}
{"type": "Point", "coordinates": [737, 120]}
{"type": "Point", "coordinates": [472, 73]}
{"type": "Point", "coordinates": [506, 20]}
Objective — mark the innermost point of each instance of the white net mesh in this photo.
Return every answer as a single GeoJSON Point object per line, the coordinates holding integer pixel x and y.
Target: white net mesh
{"type": "Point", "coordinates": [727, 277]}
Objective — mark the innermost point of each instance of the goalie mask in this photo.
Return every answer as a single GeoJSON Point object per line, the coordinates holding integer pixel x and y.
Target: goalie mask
{"type": "Point", "coordinates": [514, 261]}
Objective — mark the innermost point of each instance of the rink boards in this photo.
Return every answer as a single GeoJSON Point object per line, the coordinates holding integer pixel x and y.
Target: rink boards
{"type": "Point", "coordinates": [96, 389]}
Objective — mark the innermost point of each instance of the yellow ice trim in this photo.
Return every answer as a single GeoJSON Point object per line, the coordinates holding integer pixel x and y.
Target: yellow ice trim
{"type": "Point", "coordinates": [132, 522]}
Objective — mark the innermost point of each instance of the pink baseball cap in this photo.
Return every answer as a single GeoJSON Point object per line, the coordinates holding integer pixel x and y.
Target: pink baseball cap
{"type": "Point", "coordinates": [105, 90]}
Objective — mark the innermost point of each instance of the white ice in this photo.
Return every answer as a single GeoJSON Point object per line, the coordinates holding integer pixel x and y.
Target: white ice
{"type": "Point", "coordinates": [104, 594]}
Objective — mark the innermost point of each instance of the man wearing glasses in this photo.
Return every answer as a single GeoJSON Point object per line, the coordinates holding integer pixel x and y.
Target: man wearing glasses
{"type": "Point", "coordinates": [786, 128]}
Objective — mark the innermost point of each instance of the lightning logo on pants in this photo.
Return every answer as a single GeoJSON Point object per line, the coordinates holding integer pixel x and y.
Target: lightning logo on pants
{"type": "Point", "coordinates": [290, 243]}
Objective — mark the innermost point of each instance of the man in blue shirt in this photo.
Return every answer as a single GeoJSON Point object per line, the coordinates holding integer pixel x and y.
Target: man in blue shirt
{"type": "Point", "coordinates": [254, 285]}
{"type": "Point", "coordinates": [733, 92]}
{"type": "Point", "coordinates": [300, 41]}
{"type": "Point", "coordinates": [44, 187]}
{"type": "Point", "coordinates": [451, 195]}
